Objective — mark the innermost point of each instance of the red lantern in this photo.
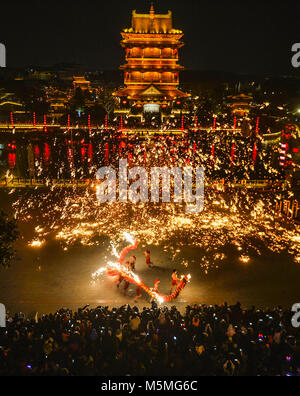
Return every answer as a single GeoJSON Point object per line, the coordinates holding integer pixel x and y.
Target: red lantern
{"type": "Point", "coordinates": [212, 154]}
{"type": "Point", "coordinates": [215, 123]}
{"type": "Point", "coordinates": [45, 123]}
{"type": "Point", "coordinates": [235, 123]}
{"type": "Point", "coordinates": [196, 122]}
{"type": "Point", "coordinates": [257, 126]}
{"type": "Point", "coordinates": [232, 153]}
{"type": "Point", "coordinates": [254, 153]}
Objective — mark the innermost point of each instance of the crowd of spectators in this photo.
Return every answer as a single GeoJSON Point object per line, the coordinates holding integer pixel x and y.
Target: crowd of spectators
{"type": "Point", "coordinates": [155, 341]}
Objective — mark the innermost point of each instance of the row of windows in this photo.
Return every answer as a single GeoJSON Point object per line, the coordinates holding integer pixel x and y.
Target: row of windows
{"type": "Point", "coordinates": [152, 53]}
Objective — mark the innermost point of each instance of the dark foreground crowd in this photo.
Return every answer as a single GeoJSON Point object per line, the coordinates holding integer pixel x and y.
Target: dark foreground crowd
{"type": "Point", "coordinates": [219, 341]}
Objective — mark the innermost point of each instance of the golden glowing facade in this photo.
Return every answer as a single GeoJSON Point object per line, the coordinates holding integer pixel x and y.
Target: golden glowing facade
{"type": "Point", "coordinates": [81, 82]}
{"type": "Point", "coordinates": [151, 71]}
{"type": "Point", "coordinates": [241, 104]}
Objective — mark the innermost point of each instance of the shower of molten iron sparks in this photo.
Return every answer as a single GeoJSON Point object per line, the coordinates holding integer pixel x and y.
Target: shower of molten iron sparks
{"type": "Point", "coordinates": [129, 238]}
{"type": "Point", "coordinates": [251, 226]}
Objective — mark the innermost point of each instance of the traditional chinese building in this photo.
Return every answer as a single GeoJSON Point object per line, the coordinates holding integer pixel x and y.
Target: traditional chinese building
{"type": "Point", "coordinates": [81, 82]}
{"type": "Point", "coordinates": [151, 71]}
{"type": "Point", "coordinates": [241, 104]}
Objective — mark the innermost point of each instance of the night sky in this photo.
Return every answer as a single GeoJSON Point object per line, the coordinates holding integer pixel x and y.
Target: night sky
{"type": "Point", "coordinates": [236, 36]}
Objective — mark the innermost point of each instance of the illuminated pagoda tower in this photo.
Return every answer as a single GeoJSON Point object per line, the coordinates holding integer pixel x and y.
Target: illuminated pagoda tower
{"type": "Point", "coordinates": [151, 71]}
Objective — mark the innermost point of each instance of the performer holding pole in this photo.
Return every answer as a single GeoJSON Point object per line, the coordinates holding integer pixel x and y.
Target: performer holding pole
{"type": "Point", "coordinates": [126, 284]}
{"type": "Point", "coordinates": [138, 295]}
{"type": "Point", "coordinates": [155, 288]}
{"type": "Point", "coordinates": [175, 280]}
{"type": "Point", "coordinates": [156, 285]}
{"type": "Point", "coordinates": [132, 262]}
{"type": "Point", "coordinates": [148, 258]}
{"type": "Point", "coordinates": [121, 278]}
